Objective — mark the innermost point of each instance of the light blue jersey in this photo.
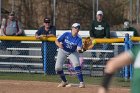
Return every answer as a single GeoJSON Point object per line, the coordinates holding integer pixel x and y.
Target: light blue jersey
{"type": "Point", "coordinates": [69, 42]}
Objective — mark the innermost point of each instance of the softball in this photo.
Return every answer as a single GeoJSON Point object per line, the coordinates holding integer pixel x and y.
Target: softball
{"type": "Point", "coordinates": [94, 42]}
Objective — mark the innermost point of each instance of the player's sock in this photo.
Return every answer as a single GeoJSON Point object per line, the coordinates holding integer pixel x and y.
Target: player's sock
{"type": "Point", "coordinates": [62, 75]}
{"type": "Point", "coordinates": [79, 73]}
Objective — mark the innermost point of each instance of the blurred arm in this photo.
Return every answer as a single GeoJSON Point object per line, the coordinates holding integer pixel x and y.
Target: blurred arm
{"type": "Point", "coordinates": [112, 66]}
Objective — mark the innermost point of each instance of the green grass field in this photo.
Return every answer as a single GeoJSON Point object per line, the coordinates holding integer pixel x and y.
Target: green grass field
{"type": "Point", "coordinates": [119, 82]}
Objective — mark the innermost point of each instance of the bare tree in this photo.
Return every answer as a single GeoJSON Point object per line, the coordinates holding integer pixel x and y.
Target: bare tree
{"type": "Point", "coordinates": [32, 12]}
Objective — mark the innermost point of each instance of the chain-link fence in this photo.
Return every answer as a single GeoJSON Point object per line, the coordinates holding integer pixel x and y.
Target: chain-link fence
{"type": "Point", "coordinates": [26, 56]}
{"type": "Point", "coordinates": [21, 56]}
{"type": "Point", "coordinates": [39, 57]}
{"type": "Point", "coordinates": [93, 61]}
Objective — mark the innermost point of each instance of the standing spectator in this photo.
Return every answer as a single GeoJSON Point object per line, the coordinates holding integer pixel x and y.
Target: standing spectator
{"type": "Point", "coordinates": [11, 27]}
{"type": "Point", "coordinates": [127, 27]}
{"type": "Point", "coordinates": [48, 30]}
{"type": "Point", "coordinates": [100, 29]}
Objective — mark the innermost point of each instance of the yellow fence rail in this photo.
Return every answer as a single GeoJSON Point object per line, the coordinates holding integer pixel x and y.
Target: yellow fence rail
{"type": "Point", "coordinates": [32, 38]}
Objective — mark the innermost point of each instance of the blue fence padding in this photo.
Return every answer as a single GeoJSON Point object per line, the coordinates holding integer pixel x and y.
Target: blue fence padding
{"type": "Point", "coordinates": [45, 58]}
{"type": "Point", "coordinates": [49, 52]}
{"type": "Point", "coordinates": [130, 67]}
{"type": "Point", "coordinates": [126, 41]}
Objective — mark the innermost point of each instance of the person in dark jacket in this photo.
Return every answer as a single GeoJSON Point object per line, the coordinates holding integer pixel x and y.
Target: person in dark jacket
{"type": "Point", "coordinates": [48, 30]}
{"type": "Point", "coordinates": [100, 29]}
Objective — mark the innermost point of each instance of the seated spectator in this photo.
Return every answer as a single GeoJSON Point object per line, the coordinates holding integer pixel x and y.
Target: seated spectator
{"type": "Point", "coordinates": [128, 27]}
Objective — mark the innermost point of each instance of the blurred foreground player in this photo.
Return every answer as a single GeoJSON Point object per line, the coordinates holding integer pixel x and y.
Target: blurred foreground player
{"type": "Point", "coordinates": [130, 57]}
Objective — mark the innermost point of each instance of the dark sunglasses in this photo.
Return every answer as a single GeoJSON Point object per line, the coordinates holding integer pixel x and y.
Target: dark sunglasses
{"type": "Point", "coordinates": [47, 22]}
{"type": "Point", "coordinates": [76, 27]}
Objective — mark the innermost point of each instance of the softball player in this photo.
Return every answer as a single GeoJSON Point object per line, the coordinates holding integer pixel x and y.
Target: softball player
{"type": "Point", "coordinates": [126, 58]}
{"type": "Point", "coordinates": [70, 43]}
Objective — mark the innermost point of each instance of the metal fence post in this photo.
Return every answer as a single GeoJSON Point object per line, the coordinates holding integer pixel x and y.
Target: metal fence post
{"type": "Point", "coordinates": [126, 41]}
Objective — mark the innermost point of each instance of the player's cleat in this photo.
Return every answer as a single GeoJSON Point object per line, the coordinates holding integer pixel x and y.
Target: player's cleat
{"type": "Point", "coordinates": [62, 84]}
{"type": "Point", "coordinates": [69, 85]}
{"type": "Point", "coordinates": [81, 85]}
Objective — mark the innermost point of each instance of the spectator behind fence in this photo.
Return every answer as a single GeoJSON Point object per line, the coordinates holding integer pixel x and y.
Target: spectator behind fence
{"type": "Point", "coordinates": [128, 27]}
{"type": "Point", "coordinates": [100, 29]}
{"type": "Point", "coordinates": [48, 30]}
{"type": "Point", "coordinates": [11, 27]}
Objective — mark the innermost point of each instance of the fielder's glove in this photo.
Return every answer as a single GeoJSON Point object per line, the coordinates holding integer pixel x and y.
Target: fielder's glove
{"type": "Point", "coordinates": [88, 43]}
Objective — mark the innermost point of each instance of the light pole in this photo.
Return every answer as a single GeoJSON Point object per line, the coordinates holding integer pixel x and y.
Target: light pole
{"type": "Point", "coordinates": [0, 11]}
{"type": "Point", "coordinates": [93, 9]}
{"type": "Point", "coordinates": [97, 5]}
{"type": "Point", "coordinates": [54, 11]}
{"type": "Point", "coordinates": [137, 11]}
{"type": "Point", "coordinates": [130, 17]}
{"type": "Point", "coordinates": [13, 5]}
